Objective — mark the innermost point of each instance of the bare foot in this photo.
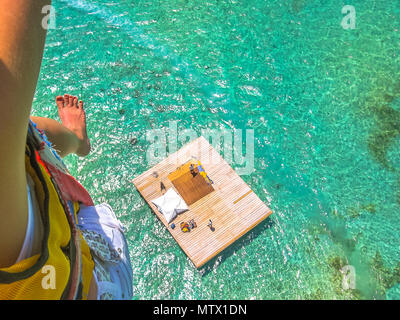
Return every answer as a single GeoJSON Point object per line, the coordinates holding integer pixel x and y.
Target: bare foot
{"type": "Point", "coordinates": [73, 117]}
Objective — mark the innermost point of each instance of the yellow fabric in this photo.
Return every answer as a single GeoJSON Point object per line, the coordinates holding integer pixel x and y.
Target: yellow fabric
{"type": "Point", "coordinates": [182, 170]}
{"type": "Point", "coordinates": [32, 288]}
{"type": "Point", "coordinates": [203, 173]}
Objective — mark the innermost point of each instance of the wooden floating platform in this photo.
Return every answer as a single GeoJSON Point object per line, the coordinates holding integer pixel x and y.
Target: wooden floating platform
{"type": "Point", "coordinates": [232, 206]}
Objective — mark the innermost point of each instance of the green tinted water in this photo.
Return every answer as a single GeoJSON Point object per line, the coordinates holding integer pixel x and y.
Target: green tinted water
{"type": "Point", "coordinates": [323, 103]}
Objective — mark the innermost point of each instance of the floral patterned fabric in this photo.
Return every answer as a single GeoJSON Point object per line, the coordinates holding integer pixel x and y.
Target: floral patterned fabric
{"type": "Point", "coordinates": [101, 252]}
{"type": "Point", "coordinates": [104, 235]}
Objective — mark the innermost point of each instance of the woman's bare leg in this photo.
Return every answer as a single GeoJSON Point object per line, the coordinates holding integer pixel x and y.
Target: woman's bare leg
{"type": "Point", "coordinates": [22, 40]}
{"type": "Point", "coordinates": [70, 136]}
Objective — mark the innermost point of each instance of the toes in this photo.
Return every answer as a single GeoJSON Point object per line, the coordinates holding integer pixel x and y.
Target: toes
{"type": "Point", "coordinates": [60, 102]}
{"type": "Point", "coordinates": [75, 102]}
{"type": "Point", "coordinates": [67, 99]}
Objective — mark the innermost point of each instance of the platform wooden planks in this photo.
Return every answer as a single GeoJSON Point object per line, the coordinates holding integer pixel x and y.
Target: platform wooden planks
{"type": "Point", "coordinates": [233, 208]}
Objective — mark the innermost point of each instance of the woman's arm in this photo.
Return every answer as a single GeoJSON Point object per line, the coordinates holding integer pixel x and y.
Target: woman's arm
{"type": "Point", "coordinates": [22, 40]}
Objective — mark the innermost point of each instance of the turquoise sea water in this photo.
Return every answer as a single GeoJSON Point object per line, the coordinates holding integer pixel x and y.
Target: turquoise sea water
{"type": "Point", "coordinates": [324, 104]}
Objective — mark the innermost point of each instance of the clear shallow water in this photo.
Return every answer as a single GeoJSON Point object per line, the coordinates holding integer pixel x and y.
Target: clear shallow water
{"type": "Point", "coordinates": [324, 103]}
